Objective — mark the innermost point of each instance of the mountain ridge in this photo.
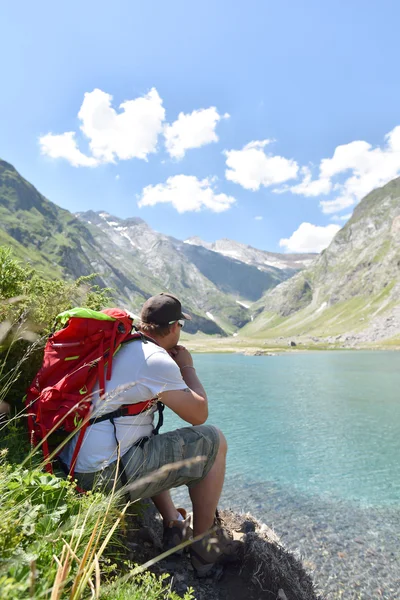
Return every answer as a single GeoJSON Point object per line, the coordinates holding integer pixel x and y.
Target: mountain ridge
{"type": "Point", "coordinates": [225, 272]}
{"type": "Point", "coordinates": [348, 293]}
{"type": "Point", "coordinates": [130, 257]}
{"type": "Point", "coordinates": [352, 289]}
{"type": "Point", "coordinates": [260, 258]}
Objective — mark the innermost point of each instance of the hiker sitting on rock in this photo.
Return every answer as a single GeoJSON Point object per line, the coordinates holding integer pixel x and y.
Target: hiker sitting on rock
{"type": "Point", "coordinates": [156, 366]}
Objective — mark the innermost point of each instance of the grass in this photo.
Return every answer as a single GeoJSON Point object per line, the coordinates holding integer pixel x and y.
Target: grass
{"type": "Point", "coordinates": [146, 586]}
{"type": "Point", "coordinates": [55, 543]}
{"type": "Point", "coordinates": [30, 256]}
{"type": "Point", "coordinates": [382, 252]}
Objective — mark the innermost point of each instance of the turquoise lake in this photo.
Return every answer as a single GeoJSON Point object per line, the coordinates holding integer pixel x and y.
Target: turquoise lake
{"type": "Point", "coordinates": [314, 452]}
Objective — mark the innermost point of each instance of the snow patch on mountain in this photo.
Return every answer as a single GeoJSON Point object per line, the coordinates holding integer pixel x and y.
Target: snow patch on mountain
{"type": "Point", "coordinates": [126, 235]}
{"type": "Point", "coordinates": [321, 308]}
{"type": "Point", "coordinates": [305, 262]}
{"type": "Point", "coordinates": [243, 304]}
{"type": "Point", "coordinates": [263, 260]}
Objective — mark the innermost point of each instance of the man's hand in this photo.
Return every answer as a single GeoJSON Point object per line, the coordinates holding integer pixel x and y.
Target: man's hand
{"type": "Point", "coordinates": [190, 404]}
{"type": "Point", "coordinates": [181, 356]}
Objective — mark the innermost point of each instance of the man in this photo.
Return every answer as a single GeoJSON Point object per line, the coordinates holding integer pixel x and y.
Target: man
{"type": "Point", "coordinates": [158, 367]}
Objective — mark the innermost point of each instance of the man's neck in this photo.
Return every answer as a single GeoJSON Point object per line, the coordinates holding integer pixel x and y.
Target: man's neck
{"type": "Point", "coordinates": [160, 341]}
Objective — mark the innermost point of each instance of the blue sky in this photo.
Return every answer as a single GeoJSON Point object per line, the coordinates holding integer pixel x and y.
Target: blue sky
{"type": "Point", "coordinates": [290, 111]}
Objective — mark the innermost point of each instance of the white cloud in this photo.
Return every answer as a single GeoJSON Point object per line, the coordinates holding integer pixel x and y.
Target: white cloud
{"type": "Point", "coordinates": [332, 206]}
{"type": "Point", "coordinates": [340, 218]}
{"type": "Point", "coordinates": [251, 167]}
{"type": "Point", "coordinates": [65, 146]}
{"type": "Point", "coordinates": [131, 133]}
{"type": "Point", "coordinates": [258, 218]}
{"type": "Point", "coordinates": [311, 188]}
{"type": "Point", "coordinates": [117, 177]}
{"type": "Point", "coordinates": [186, 193]}
{"type": "Point", "coordinates": [309, 238]}
{"type": "Point", "coordinates": [364, 168]}
{"type": "Point", "coordinates": [192, 131]}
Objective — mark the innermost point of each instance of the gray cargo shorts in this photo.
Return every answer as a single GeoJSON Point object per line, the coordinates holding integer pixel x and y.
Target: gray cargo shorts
{"type": "Point", "coordinates": [197, 445]}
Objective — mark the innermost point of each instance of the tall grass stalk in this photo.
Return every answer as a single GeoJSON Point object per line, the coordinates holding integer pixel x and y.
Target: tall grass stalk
{"type": "Point", "coordinates": [57, 540]}
{"type": "Point", "coordinates": [54, 544]}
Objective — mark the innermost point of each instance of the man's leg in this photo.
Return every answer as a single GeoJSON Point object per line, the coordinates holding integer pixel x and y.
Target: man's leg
{"type": "Point", "coordinates": [176, 523]}
{"type": "Point", "coordinates": [204, 478]}
{"type": "Point", "coordinates": [205, 494]}
{"type": "Point", "coordinates": [165, 506]}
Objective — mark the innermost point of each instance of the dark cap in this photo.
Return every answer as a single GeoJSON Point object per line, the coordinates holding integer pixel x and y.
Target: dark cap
{"type": "Point", "coordinates": [162, 310]}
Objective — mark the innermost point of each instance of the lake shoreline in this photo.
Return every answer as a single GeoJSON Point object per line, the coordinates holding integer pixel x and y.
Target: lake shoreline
{"type": "Point", "coordinates": [211, 347]}
{"type": "Point", "coordinates": [200, 343]}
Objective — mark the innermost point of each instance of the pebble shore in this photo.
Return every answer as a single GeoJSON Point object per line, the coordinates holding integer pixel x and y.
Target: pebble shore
{"type": "Point", "coordinates": [351, 551]}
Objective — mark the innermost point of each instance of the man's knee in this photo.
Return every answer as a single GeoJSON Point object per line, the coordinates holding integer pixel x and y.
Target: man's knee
{"type": "Point", "coordinates": [223, 444]}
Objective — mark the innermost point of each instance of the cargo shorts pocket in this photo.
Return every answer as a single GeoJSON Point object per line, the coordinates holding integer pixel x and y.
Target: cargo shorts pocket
{"type": "Point", "coordinates": [163, 454]}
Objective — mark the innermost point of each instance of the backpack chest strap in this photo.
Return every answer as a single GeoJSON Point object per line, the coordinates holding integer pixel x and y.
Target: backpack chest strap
{"type": "Point", "coordinates": [127, 410]}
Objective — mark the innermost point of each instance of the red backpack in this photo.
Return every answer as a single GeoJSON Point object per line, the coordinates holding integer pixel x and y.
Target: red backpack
{"type": "Point", "coordinates": [59, 399]}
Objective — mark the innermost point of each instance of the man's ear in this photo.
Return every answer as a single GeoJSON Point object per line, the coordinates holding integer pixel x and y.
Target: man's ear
{"type": "Point", "coordinates": [176, 326]}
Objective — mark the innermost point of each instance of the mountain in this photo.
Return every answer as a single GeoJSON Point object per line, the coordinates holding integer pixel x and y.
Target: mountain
{"type": "Point", "coordinates": [352, 290]}
{"type": "Point", "coordinates": [193, 270]}
{"type": "Point", "coordinates": [265, 261]}
{"type": "Point", "coordinates": [55, 241]}
{"type": "Point", "coordinates": [127, 255]}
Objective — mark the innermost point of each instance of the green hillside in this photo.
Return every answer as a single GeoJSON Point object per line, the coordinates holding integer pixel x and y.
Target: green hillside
{"type": "Point", "coordinates": [352, 288]}
{"type": "Point", "coordinates": [135, 266]}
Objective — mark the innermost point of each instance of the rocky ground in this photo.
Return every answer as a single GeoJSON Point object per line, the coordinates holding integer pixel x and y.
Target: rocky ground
{"type": "Point", "coordinates": [351, 551]}
{"type": "Point", "coordinates": [267, 571]}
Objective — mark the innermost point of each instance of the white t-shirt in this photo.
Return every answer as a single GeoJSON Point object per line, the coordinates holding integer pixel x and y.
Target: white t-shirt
{"type": "Point", "coordinates": [139, 372]}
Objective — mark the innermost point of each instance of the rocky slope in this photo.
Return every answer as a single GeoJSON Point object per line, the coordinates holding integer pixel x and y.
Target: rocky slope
{"type": "Point", "coordinates": [130, 257]}
{"type": "Point", "coordinates": [195, 273]}
{"type": "Point", "coordinates": [351, 292]}
{"type": "Point", "coordinates": [55, 241]}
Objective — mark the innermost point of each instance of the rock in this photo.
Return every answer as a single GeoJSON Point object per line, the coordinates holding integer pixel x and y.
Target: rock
{"type": "Point", "coordinates": [264, 565]}
{"type": "Point", "coordinates": [248, 526]}
{"type": "Point", "coordinates": [145, 534]}
{"type": "Point", "coordinates": [257, 353]}
{"type": "Point", "coordinates": [292, 344]}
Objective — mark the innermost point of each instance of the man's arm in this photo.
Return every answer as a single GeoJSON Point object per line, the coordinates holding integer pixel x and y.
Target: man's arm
{"type": "Point", "coordinates": [190, 404]}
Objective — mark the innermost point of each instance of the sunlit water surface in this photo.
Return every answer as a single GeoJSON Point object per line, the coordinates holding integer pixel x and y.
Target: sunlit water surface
{"type": "Point", "coordinates": [314, 449]}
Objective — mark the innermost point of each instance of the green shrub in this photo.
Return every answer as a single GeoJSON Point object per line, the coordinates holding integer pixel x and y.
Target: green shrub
{"type": "Point", "coordinates": [29, 304]}
{"type": "Point", "coordinates": [39, 514]}
{"type": "Point", "coordinates": [57, 544]}
{"type": "Point", "coordinates": [145, 587]}
{"type": "Point", "coordinates": [54, 543]}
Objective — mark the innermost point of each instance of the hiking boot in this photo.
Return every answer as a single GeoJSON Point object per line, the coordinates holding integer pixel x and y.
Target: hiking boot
{"type": "Point", "coordinates": [176, 532]}
{"type": "Point", "coordinates": [213, 550]}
